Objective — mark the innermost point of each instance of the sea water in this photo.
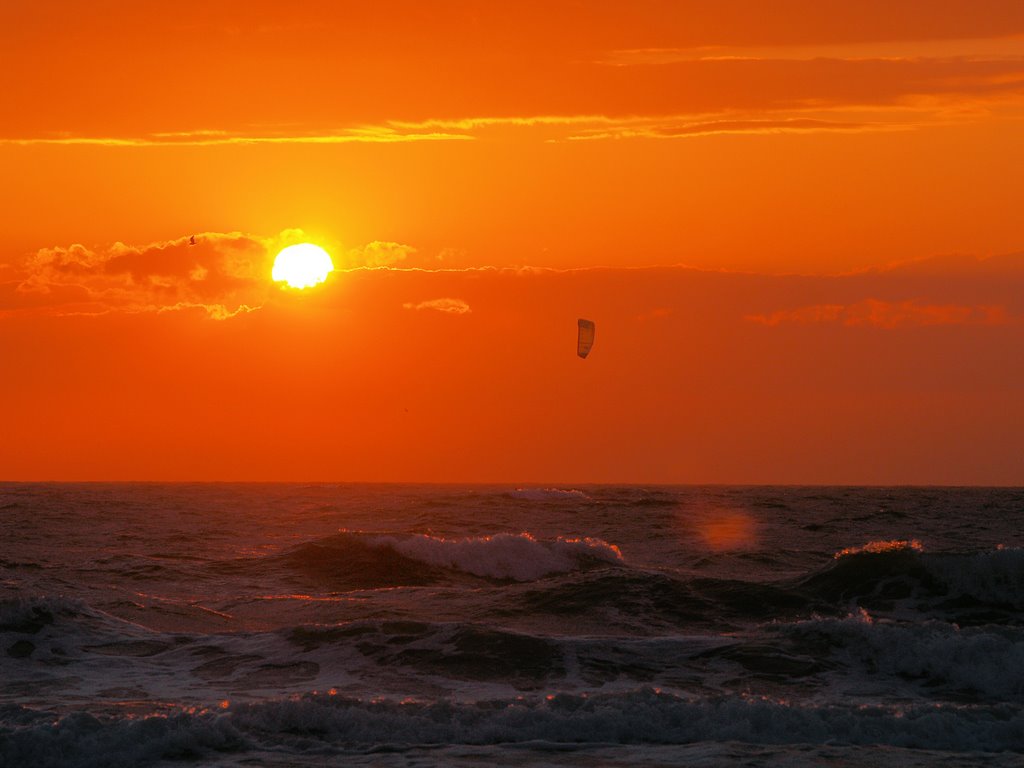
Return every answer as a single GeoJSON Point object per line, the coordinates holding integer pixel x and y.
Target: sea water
{"type": "Point", "coordinates": [400, 625]}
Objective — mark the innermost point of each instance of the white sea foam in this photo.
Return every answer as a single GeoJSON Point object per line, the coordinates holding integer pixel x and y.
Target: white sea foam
{"type": "Point", "coordinates": [331, 724]}
{"type": "Point", "coordinates": [520, 557]}
{"type": "Point", "coordinates": [987, 662]}
{"type": "Point", "coordinates": [996, 576]}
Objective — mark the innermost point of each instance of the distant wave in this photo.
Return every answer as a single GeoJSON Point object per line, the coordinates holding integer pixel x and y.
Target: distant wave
{"type": "Point", "coordinates": [359, 559]}
{"type": "Point", "coordinates": [519, 557]}
{"type": "Point", "coordinates": [548, 494]}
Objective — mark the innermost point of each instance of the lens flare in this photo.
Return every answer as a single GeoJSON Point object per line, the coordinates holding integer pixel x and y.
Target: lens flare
{"type": "Point", "coordinates": [724, 529]}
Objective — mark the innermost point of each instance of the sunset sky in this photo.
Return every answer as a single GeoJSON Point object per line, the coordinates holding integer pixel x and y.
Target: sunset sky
{"type": "Point", "coordinates": [797, 226]}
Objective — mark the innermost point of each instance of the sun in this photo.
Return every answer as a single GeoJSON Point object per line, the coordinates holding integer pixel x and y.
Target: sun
{"type": "Point", "coordinates": [302, 266]}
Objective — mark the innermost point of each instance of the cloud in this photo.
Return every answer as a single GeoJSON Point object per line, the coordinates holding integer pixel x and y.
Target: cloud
{"type": "Point", "coordinates": [364, 134]}
{"type": "Point", "coordinates": [378, 254]}
{"type": "Point", "coordinates": [874, 313]}
{"type": "Point", "coordinates": [222, 274]}
{"type": "Point", "coordinates": [667, 126]}
{"type": "Point", "coordinates": [684, 129]}
{"type": "Point", "coordinates": [1007, 48]}
{"type": "Point", "coordinates": [450, 306]}
{"type": "Point", "coordinates": [953, 266]}
{"type": "Point", "coordinates": [215, 311]}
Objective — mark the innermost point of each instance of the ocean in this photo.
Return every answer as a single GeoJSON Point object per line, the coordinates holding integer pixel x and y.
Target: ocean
{"type": "Point", "coordinates": [429, 625]}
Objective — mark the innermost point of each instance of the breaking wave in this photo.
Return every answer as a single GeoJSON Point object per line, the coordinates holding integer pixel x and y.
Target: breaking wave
{"type": "Point", "coordinates": [322, 724]}
{"type": "Point", "coordinates": [368, 560]}
{"type": "Point", "coordinates": [519, 557]}
{"type": "Point", "coordinates": [980, 663]}
{"type": "Point", "coordinates": [975, 587]}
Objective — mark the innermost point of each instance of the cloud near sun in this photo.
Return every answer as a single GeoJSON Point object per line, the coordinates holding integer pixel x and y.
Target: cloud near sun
{"type": "Point", "coordinates": [451, 306]}
{"type": "Point", "coordinates": [221, 274]}
{"type": "Point", "coordinates": [225, 275]}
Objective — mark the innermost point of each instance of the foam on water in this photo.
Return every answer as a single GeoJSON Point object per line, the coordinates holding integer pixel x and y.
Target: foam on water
{"type": "Point", "coordinates": [984, 664]}
{"type": "Point", "coordinates": [362, 559]}
{"type": "Point", "coordinates": [324, 724]}
{"type": "Point", "coordinates": [995, 576]}
{"type": "Point", "coordinates": [520, 557]}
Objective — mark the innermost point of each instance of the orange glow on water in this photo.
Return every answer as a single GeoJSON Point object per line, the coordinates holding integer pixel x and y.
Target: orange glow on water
{"type": "Point", "coordinates": [726, 529]}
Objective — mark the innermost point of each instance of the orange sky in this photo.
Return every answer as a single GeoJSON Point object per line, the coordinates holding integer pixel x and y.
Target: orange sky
{"type": "Point", "coordinates": [797, 227]}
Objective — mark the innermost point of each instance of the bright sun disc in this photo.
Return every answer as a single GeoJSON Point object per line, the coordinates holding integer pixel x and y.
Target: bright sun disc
{"type": "Point", "coordinates": [302, 266]}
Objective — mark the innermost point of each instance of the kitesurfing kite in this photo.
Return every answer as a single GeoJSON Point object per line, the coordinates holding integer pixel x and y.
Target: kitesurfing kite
{"type": "Point", "coordinates": [584, 337]}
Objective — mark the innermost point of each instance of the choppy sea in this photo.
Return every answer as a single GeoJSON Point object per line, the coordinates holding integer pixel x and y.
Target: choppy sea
{"type": "Point", "coordinates": [401, 625]}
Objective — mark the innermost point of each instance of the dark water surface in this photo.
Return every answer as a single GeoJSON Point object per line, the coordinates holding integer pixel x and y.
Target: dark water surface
{"type": "Point", "coordinates": [252, 624]}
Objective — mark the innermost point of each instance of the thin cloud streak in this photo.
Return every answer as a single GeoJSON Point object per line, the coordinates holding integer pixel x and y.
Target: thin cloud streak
{"type": "Point", "coordinates": [874, 313]}
{"type": "Point", "coordinates": [959, 99]}
{"type": "Point", "coordinates": [446, 305]}
{"type": "Point", "coordinates": [735, 127]}
{"type": "Point", "coordinates": [1006, 48]}
{"type": "Point", "coordinates": [211, 138]}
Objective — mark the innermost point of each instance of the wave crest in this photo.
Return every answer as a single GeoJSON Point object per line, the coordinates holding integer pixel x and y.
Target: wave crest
{"type": "Point", "coordinates": [969, 584]}
{"type": "Point", "coordinates": [548, 494]}
{"type": "Point", "coordinates": [370, 560]}
{"type": "Point", "coordinates": [879, 547]}
{"type": "Point", "coordinates": [519, 557]}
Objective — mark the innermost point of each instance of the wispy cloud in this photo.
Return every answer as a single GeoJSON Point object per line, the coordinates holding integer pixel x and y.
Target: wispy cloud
{"type": "Point", "coordinates": [906, 102]}
{"type": "Point", "coordinates": [221, 274]}
{"type": "Point", "coordinates": [1008, 48]}
{"type": "Point", "coordinates": [378, 254]}
{"type": "Point", "coordinates": [684, 129]}
{"type": "Point", "coordinates": [369, 134]}
{"type": "Point", "coordinates": [875, 313]}
{"type": "Point", "coordinates": [449, 306]}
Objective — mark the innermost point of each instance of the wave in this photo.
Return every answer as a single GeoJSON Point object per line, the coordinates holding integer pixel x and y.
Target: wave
{"type": "Point", "coordinates": [29, 615]}
{"type": "Point", "coordinates": [643, 601]}
{"type": "Point", "coordinates": [969, 588]}
{"type": "Point", "coordinates": [548, 494]}
{"type": "Point", "coordinates": [973, 664]}
{"type": "Point", "coordinates": [325, 724]}
{"type": "Point", "coordinates": [589, 575]}
{"type": "Point", "coordinates": [370, 560]}
{"type": "Point", "coordinates": [519, 557]}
